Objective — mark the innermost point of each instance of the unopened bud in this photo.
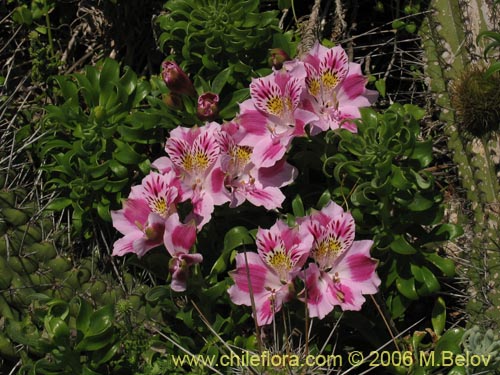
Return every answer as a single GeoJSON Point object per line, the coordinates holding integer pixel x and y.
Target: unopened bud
{"type": "Point", "coordinates": [277, 58]}
{"type": "Point", "coordinates": [208, 106]}
{"type": "Point", "coordinates": [176, 80]}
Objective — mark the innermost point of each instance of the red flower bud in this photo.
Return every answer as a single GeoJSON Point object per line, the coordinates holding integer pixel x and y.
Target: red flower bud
{"type": "Point", "coordinates": [176, 80]}
{"type": "Point", "coordinates": [277, 58]}
{"type": "Point", "coordinates": [207, 106]}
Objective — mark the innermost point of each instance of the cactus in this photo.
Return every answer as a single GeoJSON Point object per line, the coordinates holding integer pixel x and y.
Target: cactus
{"type": "Point", "coordinates": [37, 269]}
{"type": "Point", "coordinates": [452, 53]}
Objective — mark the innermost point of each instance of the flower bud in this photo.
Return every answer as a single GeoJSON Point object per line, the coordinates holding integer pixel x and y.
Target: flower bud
{"type": "Point", "coordinates": [277, 58]}
{"type": "Point", "coordinates": [176, 80]}
{"type": "Point", "coordinates": [208, 106]}
{"type": "Point", "coordinates": [173, 101]}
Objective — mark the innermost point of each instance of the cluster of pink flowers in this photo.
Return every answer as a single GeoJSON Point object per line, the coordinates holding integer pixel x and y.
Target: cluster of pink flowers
{"type": "Point", "coordinates": [241, 160]}
{"type": "Point", "coordinates": [340, 273]}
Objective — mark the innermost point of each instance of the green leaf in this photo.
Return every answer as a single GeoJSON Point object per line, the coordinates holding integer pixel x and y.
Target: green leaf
{"type": "Point", "coordinates": [438, 316]}
{"type": "Point", "coordinates": [446, 232]}
{"type": "Point", "coordinates": [101, 320]}
{"type": "Point", "coordinates": [380, 86]}
{"type": "Point", "coordinates": [420, 203]}
{"type": "Point", "coordinates": [110, 73]}
{"type": "Point", "coordinates": [57, 329]}
{"type": "Point", "coordinates": [236, 237]}
{"type": "Point", "coordinates": [235, 99]}
{"type": "Point", "coordinates": [109, 354]}
{"type": "Point", "coordinates": [128, 81]}
{"type": "Point", "coordinates": [125, 154]}
{"type": "Point", "coordinates": [83, 317]}
{"type": "Point", "coordinates": [430, 280]}
{"type": "Point", "coordinates": [407, 288]}
{"type": "Point", "coordinates": [325, 198]}
{"type": "Point", "coordinates": [450, 341]}
{"type": "Point", "coordinates": [495, 67]}
{"type": "Point", "coordinates": [22, 15]}
{"type": "Point", "coordinates": [96, 342]}
{"type": "Point", "coordinates": [59, 204]}
{"type": "Point", "coordinates": [447, 266]}
{"type": "Point", "coordinates": [220, 80]}
{"type": "Point", "coordinates": [401, 246]}
{"type": "Point", "coordinates": [423, 153]}
{"type": "Point", "coordinates": [298, 206]}
{"type": "Point", "coordinates": [88, 371]}
{"type": "Point", "coordinates": [157, 293]}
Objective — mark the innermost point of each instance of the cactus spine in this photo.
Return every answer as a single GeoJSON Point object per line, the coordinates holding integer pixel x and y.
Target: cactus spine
{"type": "Point", "coordinates": [450, 42]}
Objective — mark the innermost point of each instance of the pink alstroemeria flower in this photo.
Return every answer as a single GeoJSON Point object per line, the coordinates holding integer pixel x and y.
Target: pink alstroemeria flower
{"type": "Point", "coordinates": [179, 239]}
{"type": "Point", "coordinates": [268, 276]}
{"type": "Point", "coordinates": [142, 218]}
{"type": "Point", "coordinates": [194, 155]}
{"type": "Point", "coordinates": [260, 186]}
{"type": "Point", "coordinates": [272, 117]}
{"type": "Point", "coordinates": [335, 89]}
{"type": "Point", "coordinates": [344, 270]}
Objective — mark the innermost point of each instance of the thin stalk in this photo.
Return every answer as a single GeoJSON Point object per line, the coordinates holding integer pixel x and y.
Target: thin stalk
{"type": "Point", "coordinates": [49, 31]}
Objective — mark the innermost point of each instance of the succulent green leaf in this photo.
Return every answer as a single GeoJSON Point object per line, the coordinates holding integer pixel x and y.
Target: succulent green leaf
{"type": "Point", "coordinates": [438, 318]}
{"type": "Point", "coordinates": [401, 246]}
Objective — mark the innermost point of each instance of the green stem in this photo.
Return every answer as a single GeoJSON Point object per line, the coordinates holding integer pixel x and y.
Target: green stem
{"type": "Point", "coordinates": [49, 31]}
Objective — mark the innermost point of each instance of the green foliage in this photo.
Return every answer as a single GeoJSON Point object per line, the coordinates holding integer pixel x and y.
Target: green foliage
{"type": "Point", "coordinates": [486, 344]}
{"type": "Point", "coordinates": [380, 173]}
{"type": "Point", "coordinates": [211, 35]}
{"type": "Point", "coordinates": [70, 343]}
{"type": "Point", "coordinates": [98, 140]}
{"type": "Point", "coordinates": [494, 43]}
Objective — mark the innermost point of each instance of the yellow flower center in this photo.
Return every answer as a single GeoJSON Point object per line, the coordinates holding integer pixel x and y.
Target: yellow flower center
{"type": "Point", "coordinates": [330, 79]}
{"type": "Point", "coordinates": [195, 162]}
{"type": "Point", "coordinates": [280, 261]}
{"type": "Point", "coordinates": [159, 206]}
{"type": "Point", "coordinates": [241, 154]}
{"type": "Point", "coordinates": [314, 87]}
{"type": "Point", "coordinates": [275, 105]}
{"type": "Point", "coordinates": [329, 247]}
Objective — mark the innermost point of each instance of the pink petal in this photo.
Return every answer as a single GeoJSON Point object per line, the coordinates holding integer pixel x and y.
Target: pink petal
{"type": "Point", "coordinates": [267, 95]}
{"type": "Point", "coordinates": [254, 122]}
{"type": "Point", "coordinates": [178, 237]}
{"type": "Point", "coordinates": [269, 197]}
{"type": "Point", "coordinates": [255, 272]}
{"type": "Point", "coordinates": [177, 149]}
{"type": "Point", "coordinates": [268, 151]}
{"type": "Point", "coordinates": [163, 164]}
{"type": "Point", "coordinates": [279, 175]}
{"type": "Point", "coordinates": [319, 298]}
{"type": "Point", "coordinates": [125, 244]}
{"type": "Point", "coordinates": [336, 62]}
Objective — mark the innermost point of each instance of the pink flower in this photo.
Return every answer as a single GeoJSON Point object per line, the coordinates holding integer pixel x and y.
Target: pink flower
{"type": "Point", "coordinates": [179, 239]}
{"type": "Point", "coordinates": [176, 80]}
{"type": "Point", "coordinates": [194, 156]}
{"type": "Point", "coordinates": [335, 89]}
{"type": "Point", "coordinates": [207, 106]}
{"type": "Point", "coordinates": [344, 270]}
{"type": "Point", "coordinates": [272, 117]}
{"type": "Point", "coordinates": [268, 276]}
{"type": "Point", "coordinates": [142, 219]}
{"type": "Point", "coordinates": [245, 181]}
